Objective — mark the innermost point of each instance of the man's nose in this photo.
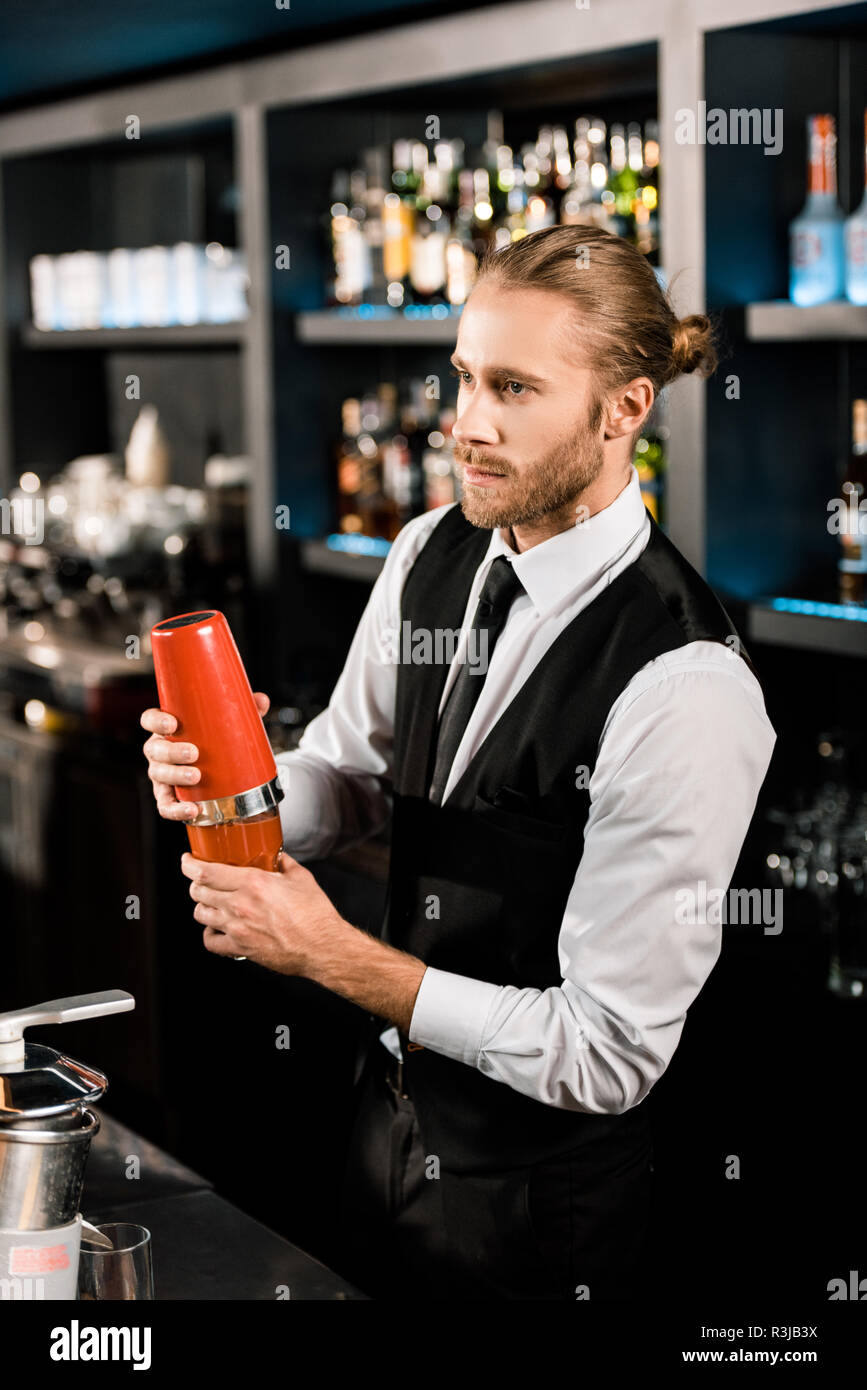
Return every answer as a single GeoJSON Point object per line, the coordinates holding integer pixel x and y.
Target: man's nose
{"type": "Point", "coordinates": [474, 426]}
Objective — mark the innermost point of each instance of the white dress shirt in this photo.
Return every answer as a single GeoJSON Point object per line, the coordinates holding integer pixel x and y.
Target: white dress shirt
{"type": "Point", "coordinates": [682, 756]}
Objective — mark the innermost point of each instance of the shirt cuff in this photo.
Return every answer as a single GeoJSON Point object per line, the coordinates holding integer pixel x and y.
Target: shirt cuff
{"type": "Point", "coordinates": [450, 1013]}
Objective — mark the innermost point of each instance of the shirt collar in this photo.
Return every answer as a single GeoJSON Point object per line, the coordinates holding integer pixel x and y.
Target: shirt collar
{"type": "Point", "coordinates": [571, 562]}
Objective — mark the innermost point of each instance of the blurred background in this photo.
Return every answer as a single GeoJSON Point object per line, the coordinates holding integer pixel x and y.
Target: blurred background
{"type": "Point", "coordinates": [234, 248]}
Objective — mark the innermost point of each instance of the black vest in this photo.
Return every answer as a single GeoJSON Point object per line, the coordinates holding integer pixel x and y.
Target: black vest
{"type": "Point", "coordinates": [479, 884]}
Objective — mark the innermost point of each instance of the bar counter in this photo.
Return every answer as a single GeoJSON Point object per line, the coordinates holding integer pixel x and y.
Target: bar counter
{"type": "Point", "coordinates": [204, 1248]}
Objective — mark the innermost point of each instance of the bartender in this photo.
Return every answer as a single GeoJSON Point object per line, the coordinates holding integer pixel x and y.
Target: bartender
{"type": "Point", "coordinates": [568, 735]}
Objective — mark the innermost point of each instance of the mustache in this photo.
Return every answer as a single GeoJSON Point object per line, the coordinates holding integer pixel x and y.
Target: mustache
{"type": "Point", "coordinates": [469, 458]}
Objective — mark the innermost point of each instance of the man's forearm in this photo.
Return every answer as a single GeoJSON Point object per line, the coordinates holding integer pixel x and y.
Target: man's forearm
{"type": "Point", "coordinates": [366, 971]}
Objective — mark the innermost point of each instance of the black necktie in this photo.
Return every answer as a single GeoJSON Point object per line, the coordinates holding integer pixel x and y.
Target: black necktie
{"type": "Point", "coordinates": [501, 586]}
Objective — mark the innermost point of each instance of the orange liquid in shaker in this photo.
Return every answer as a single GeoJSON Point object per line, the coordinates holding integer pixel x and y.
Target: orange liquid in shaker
{"type": "Point", "coordinates": [254, 843]}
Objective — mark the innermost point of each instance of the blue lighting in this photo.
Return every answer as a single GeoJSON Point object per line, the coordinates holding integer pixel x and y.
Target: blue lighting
{"type": "Point", "coordinates": [353, 544]}
{"type": "Point", "coordinates": [384, 312]}
{"type": "Point", "coordinates": [849, 611]}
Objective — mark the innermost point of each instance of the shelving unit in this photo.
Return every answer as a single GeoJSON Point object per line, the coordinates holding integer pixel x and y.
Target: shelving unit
{"type": "Point", "coordinates": [822, 627]}
{"type": "Point", "coordinates": [320, 558]}
{"type": "Point", "coordinates": [780, 321]}
{"type": "Point", "coordinates": [171, 335]}
{"type": "Point", "coordinates": [332, 326]}
{"type": "Point", "coordinates": [285, 370]}
{"type": "Point", "coordinates": [779, 411]}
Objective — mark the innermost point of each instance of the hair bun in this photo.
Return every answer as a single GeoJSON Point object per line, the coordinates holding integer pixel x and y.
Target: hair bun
{"type": "Point", "coordinates": [692, 346]}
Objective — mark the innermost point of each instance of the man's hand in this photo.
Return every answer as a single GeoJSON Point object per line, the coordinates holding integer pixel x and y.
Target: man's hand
{"type": "Point", "coordinates": [170, 764]}
{"type": "Point", "coordinates": [278, 920]}
{"type": "Point", "coordinates": [285, 922]}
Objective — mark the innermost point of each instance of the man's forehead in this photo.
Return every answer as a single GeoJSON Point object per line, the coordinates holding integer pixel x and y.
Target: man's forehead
{"type": "Point", "coordinates": [531, 332]}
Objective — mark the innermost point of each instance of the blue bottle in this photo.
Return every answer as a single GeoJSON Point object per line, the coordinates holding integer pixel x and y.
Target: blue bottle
{"type": "Point", "coordinates": [856, 244]}
{"type": "Point", "coordinates": [816, 256]}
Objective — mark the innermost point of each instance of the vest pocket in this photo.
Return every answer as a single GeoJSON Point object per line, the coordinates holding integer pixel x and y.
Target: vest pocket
{"type": "Point", "coordinates": [519, 823]}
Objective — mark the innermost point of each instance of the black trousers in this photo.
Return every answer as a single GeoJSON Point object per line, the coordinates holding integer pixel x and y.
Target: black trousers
{"type": "Point", "coordinates": [574, 1227]}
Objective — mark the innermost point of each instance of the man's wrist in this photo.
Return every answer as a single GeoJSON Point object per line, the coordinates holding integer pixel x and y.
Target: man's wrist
{"type": "Point", "coordinates": [369, 972]}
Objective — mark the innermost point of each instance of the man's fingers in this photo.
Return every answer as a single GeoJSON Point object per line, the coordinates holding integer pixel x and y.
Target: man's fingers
{"type": "Point", "coordinates": [173, 775]}
{"type": "Point", "coordinates": [157, 721]}
{"type": "Point", "coordinates": [159, 750]}
{"type": "Point", "coordinates": [170, 808]}
{"type": "Point", "coordinates": [263, 703]}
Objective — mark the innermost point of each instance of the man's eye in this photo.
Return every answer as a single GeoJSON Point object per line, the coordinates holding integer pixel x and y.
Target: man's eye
{"type": "Point", "coordinates": [454, 371]}
{"type": "Point", "coordinates": [519, 386]}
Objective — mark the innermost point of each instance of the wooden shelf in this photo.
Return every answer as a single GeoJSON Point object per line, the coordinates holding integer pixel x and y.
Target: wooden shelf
{"type": "Point", "coordinates": [336, 326]}
{"type": "Point", "coordinates": [811, 626]}
{"type": "Point", "coordinates": [172, 335]}
{"type": "Point", "coordinates": [779, 321]}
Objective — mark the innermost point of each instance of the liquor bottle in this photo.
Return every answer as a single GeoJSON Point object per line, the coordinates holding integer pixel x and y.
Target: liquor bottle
{"type": "Point", "coordinates": [349, 467]}
{"type": "Point", "coordinates": [398, 222]}
{"type": "Point", "coordinates": [421, 176]}
{"type": "Point", "coordinates": [597, 136]}
{"type": "Point", "coordinates": [458, 163]}
{"type": "Point", "coordinates": [622, 185]}
{"type": "Point", "coordinates": [581, 205]}
{"type": "Point", "coordinates": [634, 149]}
{"type": "Point", "coordinates": [396, 478]}
{"type": "Point", "coordinates": [417, 419]}
{"type": "Point", "coordinates": [856, 243]}
{"type": "Point", "coordinates": [427, 264]}
{"type": "Point", "coordinates": [442, 176]}
{"type": "Point", "coordinates": [649, 462]}
{"type": "Point", "coordinates": [541, 209]}
{"type": "Point", "coordinates": [512, 225]}
{"type": "Point", "coordinates": [562, 159]}
{"type": "Point", "coordinates": [504, 177]}
{"type": "Point", "coordinates": [351, 254]}
{"type": "Point", "coordinates": [492, 161]}
{"type": "Point", "coordinates": [375, 165]}
{"type": "Point", "coordinates": [461, 264]}
{"type": "Point", "coordinates": [646, 206]}
{"type": "Point", "coordinates": [404, 179]}
{"type": "Point", "coordinates": [816, 260]}
{"type": "Point", "coordinates": [852, 565]}
{"type": "Point", "coordinates": [545, 157]}
{"type": "Point", "coordinates": [530, 166]}
{"type": "Point", "coordinates": [363, 506]}
{"type": "Point", "coordinates": [483, 210]}
{"type": "Point", "coordinates": [440, 479]}
{"type": "Point", "coordinates": [394, 463]}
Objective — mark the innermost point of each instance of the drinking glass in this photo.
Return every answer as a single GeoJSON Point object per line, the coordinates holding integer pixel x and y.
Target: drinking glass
{"type": "Point", "coordinates": [124, 1272]}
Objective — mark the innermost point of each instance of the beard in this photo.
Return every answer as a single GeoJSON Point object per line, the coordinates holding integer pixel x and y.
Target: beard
{"type": "Point", "coordinates": [550, 485]}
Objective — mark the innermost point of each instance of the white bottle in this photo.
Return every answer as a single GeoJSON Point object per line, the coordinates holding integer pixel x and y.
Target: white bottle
{"type": "Point", "coordinates": [147, 453]}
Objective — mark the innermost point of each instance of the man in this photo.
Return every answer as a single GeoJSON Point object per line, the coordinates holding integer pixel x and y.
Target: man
{"type": "Point", "coordinates": [571, 737]}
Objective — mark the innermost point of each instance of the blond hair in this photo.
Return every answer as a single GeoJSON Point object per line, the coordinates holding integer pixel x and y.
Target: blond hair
{"type": "Point", "coordinates": [625, 324]}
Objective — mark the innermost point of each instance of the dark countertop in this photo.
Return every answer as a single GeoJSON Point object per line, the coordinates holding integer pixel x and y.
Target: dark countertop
{"type": "Point", "coordinates": [203, 1246]}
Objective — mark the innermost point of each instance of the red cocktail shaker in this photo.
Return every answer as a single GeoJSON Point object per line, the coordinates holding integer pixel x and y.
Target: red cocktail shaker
{"type": "Point", "coordinates": [201, 681]}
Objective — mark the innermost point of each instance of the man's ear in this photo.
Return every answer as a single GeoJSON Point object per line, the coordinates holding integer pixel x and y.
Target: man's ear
{"type": "Point", "coordinates": [628, 408]}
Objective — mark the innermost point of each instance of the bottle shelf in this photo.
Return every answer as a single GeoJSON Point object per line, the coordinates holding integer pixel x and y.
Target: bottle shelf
{"type": "Point", "coordinates": [826, 627]}
{"type": "Point", "coordinates": [377, 325]}
{"type": "Point", "coordinates": [171, 335]}
{"type": "Point", "coordinates": [778, 320]}
{"type": "Point", "coordinates": [364, 560]}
